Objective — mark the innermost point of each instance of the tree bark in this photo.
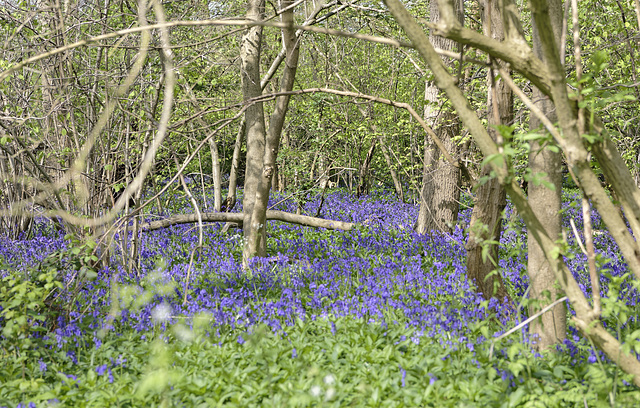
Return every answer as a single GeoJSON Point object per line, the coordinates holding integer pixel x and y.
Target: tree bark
{"type": "Point", "coordinates": [440, 195]}
{"type": "Point", "coordinates": [394, 175]}
{"type": "Point", "coordinates": [491, 197]}
{"type": "Point", "coordinates": [552, 77]}
{"type": "Point", "coordinates": [230, 201]}
{"type": "Point", "coordinates": [551, 327]}
{"type": "Point", "coordinates": [255, 128]}
{"type": "Point", "coordinates": [238, 218]}
{"type": "Point", "coordinates": [255, 229]}
{"type": "Point", "coordinates": [365, 184]}
{"type": "Point", "coordinates": [216, 175]}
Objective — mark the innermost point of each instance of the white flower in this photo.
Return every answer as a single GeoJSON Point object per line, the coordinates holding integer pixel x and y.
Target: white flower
{"type": "Point", "coordinates": [315, 391]}
{"type": "Point", "coordinates": [329, 379]}
{"type": "Point", "coordinates": [161, 313]}
{"type": "Point", "coordinates": [331, 392]}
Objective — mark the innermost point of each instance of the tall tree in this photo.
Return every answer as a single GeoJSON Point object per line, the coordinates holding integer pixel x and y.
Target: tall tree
{"type": "Point", "coordinates": [491, 197]}
{"type": "Point", "coordinates": [550, 78]}
{"type": "Point", "coordinates": [545, 200]}
{"type": "Point", "coordinates": [254, 118]}
{"type": "Point", "coordinates": [440, 195]}
{"type": "Point", "coordinates": [255, 236]}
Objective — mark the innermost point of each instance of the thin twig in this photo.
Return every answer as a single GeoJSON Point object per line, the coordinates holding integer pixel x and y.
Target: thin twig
{"type": "Point", "coordinates": [529, 320]}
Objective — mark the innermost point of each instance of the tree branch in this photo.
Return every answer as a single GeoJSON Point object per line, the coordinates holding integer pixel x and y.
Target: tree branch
{"type": "Point", "coordinates": [237, 218]}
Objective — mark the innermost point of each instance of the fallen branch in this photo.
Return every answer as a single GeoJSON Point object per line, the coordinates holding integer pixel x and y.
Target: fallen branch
{"type": "Point", "coordinates": [237, 218]}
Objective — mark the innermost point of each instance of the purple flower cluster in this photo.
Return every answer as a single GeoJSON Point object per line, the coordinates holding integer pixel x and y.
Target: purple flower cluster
{"type": "Point", "coordinates": [384, 273]}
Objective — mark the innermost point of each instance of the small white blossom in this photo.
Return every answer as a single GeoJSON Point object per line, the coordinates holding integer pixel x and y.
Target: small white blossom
{"type": "Point", "coordinates": [161, 313]}
{"type": "Point", "coordinates": [315, 391]}
{"type": "Point", "coordinates": [329, 379]}
{"type": "Point", "coordinates": [331, 392]}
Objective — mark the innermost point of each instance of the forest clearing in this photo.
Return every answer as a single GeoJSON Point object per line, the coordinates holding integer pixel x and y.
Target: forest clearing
{"type": "Point", "coordinates": [319, 203]}
{"type": "Point", "coordinates": [378, 316]}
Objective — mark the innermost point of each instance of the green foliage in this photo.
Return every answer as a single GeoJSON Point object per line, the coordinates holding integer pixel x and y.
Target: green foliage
{"type": "Point", "coordinates": [353, 363]}
{"type": "Point", "coordinates": [26, 306]}
{"type": "Point", "coordinates": [330, 361]}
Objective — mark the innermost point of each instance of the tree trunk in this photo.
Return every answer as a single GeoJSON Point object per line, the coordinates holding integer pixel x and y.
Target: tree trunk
{"type": "Point", "coordinates": [230, 200]}
{"type": "Point", "coordinates": [255, 228]}
{"type": "Point", "coordinates": [491, 198]}
{"type": "Point", "coordinates": [551, 327]}
{"type": "Point", "coordinates": [216, 175]}
{"type": "Point", "coordinates": [363, 187]}
{"type": "Point", "coordinates": [255, 129]}
{"type": "Point", "coordinates": [552, 79]}
{"type": "Point", "coordinates": [392, 171]}
{"type": "Point", "coordinates": [283, 164]}
{"type": "Point", "coordinates": [440, 195]}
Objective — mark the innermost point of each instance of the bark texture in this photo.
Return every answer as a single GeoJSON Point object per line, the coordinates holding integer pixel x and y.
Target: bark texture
{"type": "Point", "coordinates": [551, 327]}
{"type": "Point", "coordinates": [440, 195]}
{"type": "Point", "coordinates": [254, 117]}
{"type": "Point", "coordinates": [216, 175]}
{"type": "Point", "coordinates": [365, 182]}
{"type": "Point", "coordinates": [491, 197]}
{"type": "Point", "coordinates": [238, 218]}
{"type": "Point", "coordinates": [255, 229]}
{"type": "Point", "coordinates": [552, 79]}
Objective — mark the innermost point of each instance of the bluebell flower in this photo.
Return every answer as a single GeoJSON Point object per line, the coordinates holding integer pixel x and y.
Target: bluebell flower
{"type": "Point", "coordinates": [101, 369]}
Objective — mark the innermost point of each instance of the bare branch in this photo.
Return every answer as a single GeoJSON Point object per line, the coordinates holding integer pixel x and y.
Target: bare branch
{"type": "Point", "coordinates": [237, 218]}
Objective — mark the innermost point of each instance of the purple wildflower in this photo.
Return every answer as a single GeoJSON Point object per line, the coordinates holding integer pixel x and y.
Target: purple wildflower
{"type": "Point", "coordinates": [101, 369]}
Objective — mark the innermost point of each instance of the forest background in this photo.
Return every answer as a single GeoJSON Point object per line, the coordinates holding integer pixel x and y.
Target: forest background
{"type": "Point", "coordinates": [113, 113]}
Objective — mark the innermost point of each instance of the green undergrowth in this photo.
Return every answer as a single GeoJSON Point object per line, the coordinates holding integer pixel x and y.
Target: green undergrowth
{"type": "Point", "coordinates": [330, 362]}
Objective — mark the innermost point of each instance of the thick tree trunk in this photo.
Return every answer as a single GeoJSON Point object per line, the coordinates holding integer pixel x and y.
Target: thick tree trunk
{"type": "Point", "coordinates": [491, 197]}
{"type": "Point", "coordinates": [551, 328]}
{"type": "Point", "coordinates": [440, 195]}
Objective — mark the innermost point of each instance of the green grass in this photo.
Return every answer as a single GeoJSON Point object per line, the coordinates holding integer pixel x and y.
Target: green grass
{"type": "Point", "coordinates": [359, 364]}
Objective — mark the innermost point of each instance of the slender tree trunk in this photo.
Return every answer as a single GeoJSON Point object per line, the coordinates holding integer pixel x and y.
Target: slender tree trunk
{"type": "Point", "coordinates": [586, 320]}
{"type": "Point", "coordinates": [363, 187]}
{"type": "Point", "coordinates": [216, 175]}
{"type": "Point", "coordinates": [281, 173]}
{"type": "Point", "coordinates": [440, 195]}
{"type": "Point", "coordinates": [387, 158]}
{"type": "Point", "coordinates": [392, 171]}
{"type": "Point", "coordinates": [230, 200]}
{"type": "Point", "coordinates": [255, 128]}
{"type": "Point", "coordinates": [491, 197]}
{"type": "Point", "coordinates": [551, 327]}
{"type": "Point", "coordinates": [255, 229]}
